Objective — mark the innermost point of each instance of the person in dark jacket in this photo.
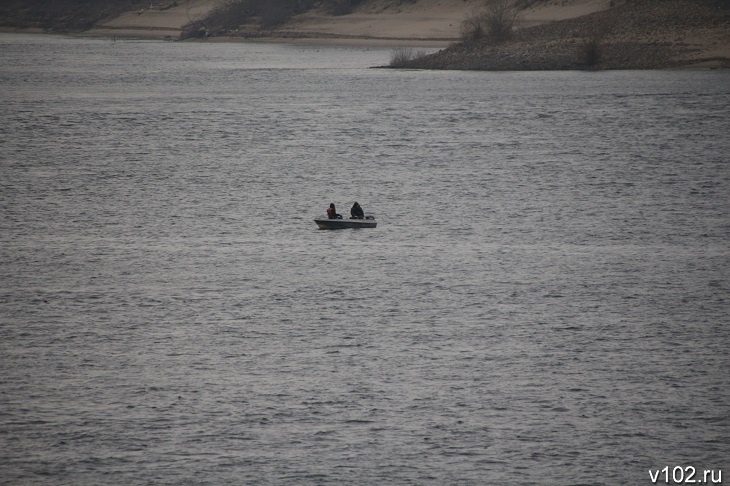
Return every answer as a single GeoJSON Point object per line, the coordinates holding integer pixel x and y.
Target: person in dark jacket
{"type": "Point", "coordinates": [356, 212]}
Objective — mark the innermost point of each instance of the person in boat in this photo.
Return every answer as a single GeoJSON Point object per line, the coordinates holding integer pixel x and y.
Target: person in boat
{"type": "Point", "coordinates": [332, 212]}
{"type": "Point", "coordinates": [356, 212]}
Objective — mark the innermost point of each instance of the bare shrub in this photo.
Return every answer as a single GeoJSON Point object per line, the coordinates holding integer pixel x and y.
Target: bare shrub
{"type": "Point", "coordinates": [496, 21]}
{"type": "Point", "coordinates": [472, 27]}
{"type": "Point", "coordinates": [591, 52]}
{"type": "Point", "coordinates": [194, 30]}
{"type": "Point", "coordinates": [229, 15]}
{"type": "Point", "coordinates": [499, 19]}
{"type": "Point", "coordinates": [402, 56]}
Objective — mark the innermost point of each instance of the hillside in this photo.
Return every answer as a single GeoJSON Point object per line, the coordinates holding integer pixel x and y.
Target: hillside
{"type": "Point", "coordinates": [547, 34]}
{"type": "Point", "coordinates": [61, 15]}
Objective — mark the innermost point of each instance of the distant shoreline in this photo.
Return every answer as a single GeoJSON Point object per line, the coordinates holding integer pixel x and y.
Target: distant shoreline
{"type": "Point", "coordinates": [684, 33]}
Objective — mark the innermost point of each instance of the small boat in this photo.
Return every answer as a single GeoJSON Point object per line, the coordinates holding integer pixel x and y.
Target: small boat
{"type": "Point", "coordinates": [326, 223]}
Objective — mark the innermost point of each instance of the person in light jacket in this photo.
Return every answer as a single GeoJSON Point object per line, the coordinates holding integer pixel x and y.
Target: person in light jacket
{"type": "Point", "coordinates": [332, 212]}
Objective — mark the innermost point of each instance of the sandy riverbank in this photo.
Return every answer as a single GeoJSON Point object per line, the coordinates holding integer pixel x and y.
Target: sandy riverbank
{"type": "Point", "coordinates": [663, 36]}
{"type": "Point", "coordinates": [153, 23]}
{"type": "Point", "coordinates": [377, 22]}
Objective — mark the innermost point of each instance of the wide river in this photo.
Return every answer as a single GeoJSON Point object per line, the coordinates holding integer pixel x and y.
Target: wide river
{"type": "Point", "coordinates": [545, 299]}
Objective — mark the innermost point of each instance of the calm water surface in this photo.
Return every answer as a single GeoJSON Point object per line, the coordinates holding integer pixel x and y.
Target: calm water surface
{"type": "Point", "coordinates": [544, 300]}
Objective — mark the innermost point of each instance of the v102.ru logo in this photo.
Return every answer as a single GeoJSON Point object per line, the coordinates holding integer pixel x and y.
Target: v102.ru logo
{"type": "Point", "coordinates": [685, 475]}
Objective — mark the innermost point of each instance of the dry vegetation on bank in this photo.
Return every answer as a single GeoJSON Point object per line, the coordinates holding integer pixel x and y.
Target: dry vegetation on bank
{"type": "Point", "coordinates": [631, 34]}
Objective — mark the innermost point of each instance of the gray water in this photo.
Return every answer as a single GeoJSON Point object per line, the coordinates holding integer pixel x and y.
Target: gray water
{"type": "Point", "coordinates": [544, 300]}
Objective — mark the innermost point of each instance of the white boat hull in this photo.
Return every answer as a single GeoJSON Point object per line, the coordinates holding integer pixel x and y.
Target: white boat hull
{"type": "Point", "coordinates": [325, 223]}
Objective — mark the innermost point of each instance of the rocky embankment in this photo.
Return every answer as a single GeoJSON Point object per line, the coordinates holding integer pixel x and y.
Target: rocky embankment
{"type": "Point", "coordinates": [634, 34]}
